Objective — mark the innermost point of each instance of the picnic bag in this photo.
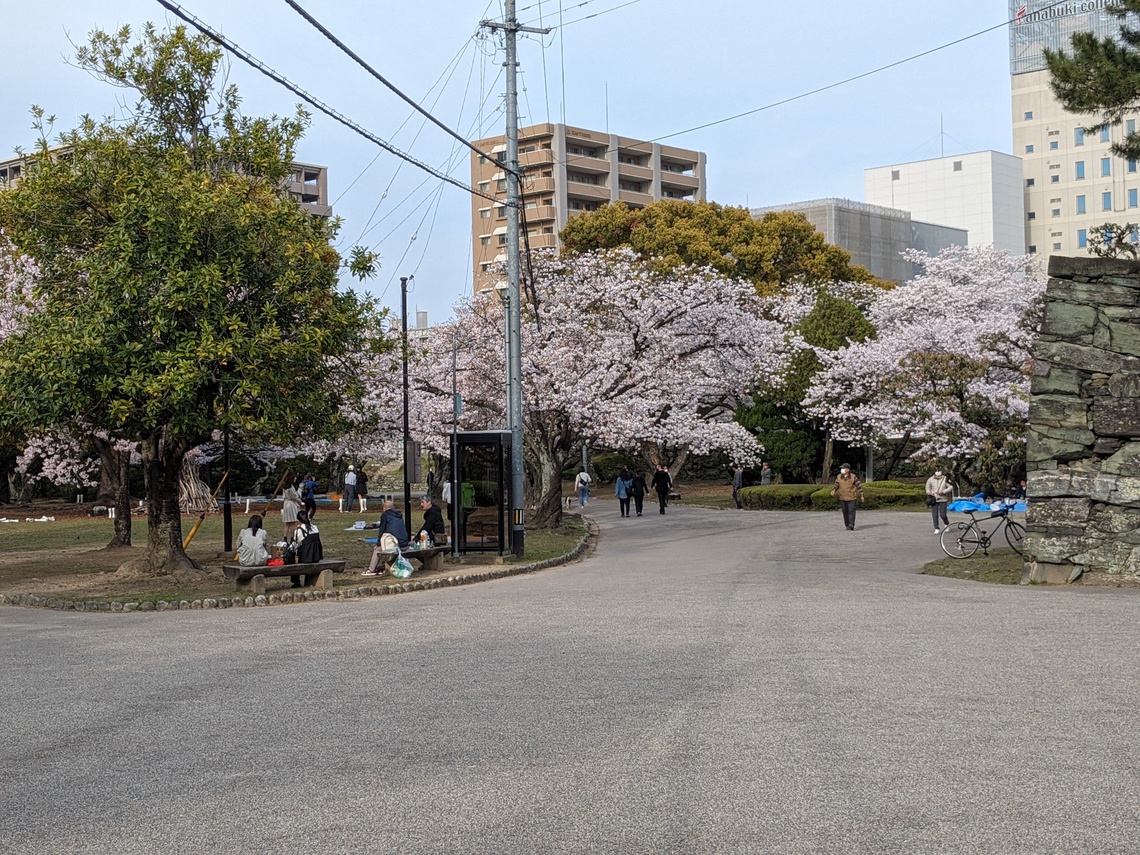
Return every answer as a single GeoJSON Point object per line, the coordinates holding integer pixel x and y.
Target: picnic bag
{"type": "Point", "coordinates": [402, 567]}
{"type": "Point", "coordinates": [930, 500]}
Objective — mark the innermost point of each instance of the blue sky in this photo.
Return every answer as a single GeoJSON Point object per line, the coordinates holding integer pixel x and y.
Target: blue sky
{"type": "Point", "coordinates": [650, 69]}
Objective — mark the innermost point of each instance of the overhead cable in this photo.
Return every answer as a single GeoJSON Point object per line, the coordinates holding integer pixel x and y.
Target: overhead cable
{"type": "Point", "coordinates": [324, 31]}
{"type": "Point", "coordinates": [257, 64]}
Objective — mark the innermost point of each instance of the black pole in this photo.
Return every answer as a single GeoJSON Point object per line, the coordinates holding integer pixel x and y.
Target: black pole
{"type": "Point", "coordinates": [227, 514]}
{"type": "Point", "coordinates": [407, 423]}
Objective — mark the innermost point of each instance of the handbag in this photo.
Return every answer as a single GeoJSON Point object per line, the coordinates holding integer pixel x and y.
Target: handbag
{"type": "Point", "coordinates": [289, 554]}
{"type": "Point", "coordinates": [930, 501]}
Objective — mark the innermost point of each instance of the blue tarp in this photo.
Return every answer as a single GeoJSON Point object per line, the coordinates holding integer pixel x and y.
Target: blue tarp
{"type": "Point", "coordinates": [963, 505]}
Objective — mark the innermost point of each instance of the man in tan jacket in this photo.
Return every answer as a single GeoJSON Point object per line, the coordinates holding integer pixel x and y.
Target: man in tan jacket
{"type": "Point", "coordinates": [849, 488]}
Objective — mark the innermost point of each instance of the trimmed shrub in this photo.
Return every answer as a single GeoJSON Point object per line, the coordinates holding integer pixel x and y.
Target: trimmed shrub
{"type": "Point", "coordinates": [816, 497]}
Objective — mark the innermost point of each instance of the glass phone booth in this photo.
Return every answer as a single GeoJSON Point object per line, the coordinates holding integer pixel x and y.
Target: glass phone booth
{"type": "Point", "coordinates": [483, 465]}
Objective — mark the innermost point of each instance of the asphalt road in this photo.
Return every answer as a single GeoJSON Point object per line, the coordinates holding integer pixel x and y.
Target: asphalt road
{"type": "Point", "coordinates": [706, 682]}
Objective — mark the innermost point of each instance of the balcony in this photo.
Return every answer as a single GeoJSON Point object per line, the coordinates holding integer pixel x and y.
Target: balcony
{"type": "Point", "coordinates": [635, 200]}
{"type": "Point", "coordinates": [591, 165]}
{"type": "Point", "coordinates": [588, 192]}
{"type": "Point", "coordinates": [676, 181]}
{"type": "Point", "coordinates": [540, 214]}
{"type": "Point", "coordinates": [630, 172]}
{"type": "Point", "coordinates": [537, 185]}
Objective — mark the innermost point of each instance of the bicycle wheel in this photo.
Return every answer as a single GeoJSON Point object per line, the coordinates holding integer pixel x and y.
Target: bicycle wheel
{"type": "Point", "coordinates": [960, 540]}
{"type": "Point", "coordinates": [1015, 536]}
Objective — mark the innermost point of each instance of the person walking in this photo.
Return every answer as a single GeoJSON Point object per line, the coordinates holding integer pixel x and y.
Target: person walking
{"type": "Point", "coordinates": [765, 476]}
{"type": "Point", "coordinates": [582, 485]}
{"type": "Point", "coordinates": [939, 492]}
{"type": "Point", "coordinates": [737, 484]}
{"type": "Point", "coordinates": [850, 489]}
{"type": "Point", "coordinates": [349, 492]}
{"type": "Point", "coordinates": [662, 484]}
{"type": "Point", "coordinates": [638, 489]}
{"type": "Point", "coordinates": [362, 489]}
{"type": "Point", "coordinates": [622, 489]}
{"type": "Point", "coordinates": [309, 496]}
{"type": "Point", "coordinates": [290, 504]}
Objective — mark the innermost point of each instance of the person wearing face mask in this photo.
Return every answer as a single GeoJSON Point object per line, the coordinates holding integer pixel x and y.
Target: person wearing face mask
{"type": "Point", "coordinates": [939, 491]}
{"type": "Point", "coordinates": [849, 488]}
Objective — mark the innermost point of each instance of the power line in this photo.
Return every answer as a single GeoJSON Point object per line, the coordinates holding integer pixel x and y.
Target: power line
{"type": "Point", "coordinates": [852, 79]}
{"type": "Point", "coordinates": [258, 65]}
{"type": "Point", "coordinates": [324, 31]}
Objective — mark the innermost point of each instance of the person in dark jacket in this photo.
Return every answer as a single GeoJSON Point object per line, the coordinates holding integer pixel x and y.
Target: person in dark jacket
{"type": "Point", "coordinates": [637, 490]}
{"type": "Point", "coordinates": [662, 484]}
{"type": "Point", "coordinates": [391, 522]}
{"type": "Point", "coordinates": [433, 522]}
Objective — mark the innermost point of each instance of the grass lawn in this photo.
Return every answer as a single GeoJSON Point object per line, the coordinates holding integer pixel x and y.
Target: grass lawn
{"type": "Point", "coordinates": [1001, 567]}
{"type": "Point", "coordinates": [66, 558]}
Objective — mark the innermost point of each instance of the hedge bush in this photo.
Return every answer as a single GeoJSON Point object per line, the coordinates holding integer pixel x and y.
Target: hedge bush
{"type": "Point", "coordinates": [816, 497]}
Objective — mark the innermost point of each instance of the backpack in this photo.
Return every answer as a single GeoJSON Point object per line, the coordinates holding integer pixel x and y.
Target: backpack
{"type": "Point", "coordinates": [309, 550]}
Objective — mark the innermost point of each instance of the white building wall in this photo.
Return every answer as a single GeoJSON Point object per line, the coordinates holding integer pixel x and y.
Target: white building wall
{"type": "Point", "coordinates": [980, 192]}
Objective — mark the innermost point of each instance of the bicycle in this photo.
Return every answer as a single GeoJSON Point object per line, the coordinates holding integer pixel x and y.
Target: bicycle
{"type": "Point", "coordinates": [961, 540]}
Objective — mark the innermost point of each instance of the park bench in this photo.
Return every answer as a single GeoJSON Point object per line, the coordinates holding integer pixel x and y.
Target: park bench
{"type": "Point", "coordinates": [318, 575]}
{"type": "Point", "coordinates": [430, 559]}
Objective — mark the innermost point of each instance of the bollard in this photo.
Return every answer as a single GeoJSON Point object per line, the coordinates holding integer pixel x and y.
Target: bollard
{"type": "Point", "coordinates": [111, 513]}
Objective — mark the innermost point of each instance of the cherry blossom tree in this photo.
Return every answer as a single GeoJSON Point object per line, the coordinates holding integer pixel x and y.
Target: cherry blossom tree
{"type": "Point", "coordinates": [612, 351]}
{"type": "Point", "coordinates": [950, 362]}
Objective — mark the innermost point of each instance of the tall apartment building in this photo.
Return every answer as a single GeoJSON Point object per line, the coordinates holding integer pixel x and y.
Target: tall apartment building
{"type": "Point", "coordinates": [981, 192]}
{"type": "Point", "coordinates": [566, 171]}
{"type": "Point", "coordinates": [1072, 181]}
{"type": "Point", "coordinates": [874, 235]}
{"type": "Point", "coordinates": [306, 183]}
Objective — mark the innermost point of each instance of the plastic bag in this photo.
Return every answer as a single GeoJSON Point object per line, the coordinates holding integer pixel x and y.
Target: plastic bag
{"type": "Point", "coordinates": [402, 567]}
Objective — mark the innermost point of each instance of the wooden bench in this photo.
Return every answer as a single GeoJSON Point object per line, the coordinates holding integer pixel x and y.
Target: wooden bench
{"type": "Point", "coordinates": [431, 559]}
{"type": "Point", "coordinates": [252, 579]}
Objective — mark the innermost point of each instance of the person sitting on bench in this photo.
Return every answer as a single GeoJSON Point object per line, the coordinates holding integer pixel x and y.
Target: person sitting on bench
{"type": "Point", "coordinates": [307, 547]}
{"type": "Point", "coordinates": [392, 525]}
{"type": "Point", "coordinates": [252, 548]}
{"type": "Point", "coordinates": [433, 522]}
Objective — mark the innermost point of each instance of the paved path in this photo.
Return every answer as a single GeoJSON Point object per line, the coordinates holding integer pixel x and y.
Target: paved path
{"type": "Point", "coordinates": [707, 682]}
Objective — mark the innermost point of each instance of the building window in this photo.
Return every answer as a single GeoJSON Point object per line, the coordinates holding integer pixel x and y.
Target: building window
{"type": "Point", "coordinates": [1032, 215]}
{"type": "Point", "coordinates": [485, 240]}
{"type": "Point", "coordinates": [1029, 182]}
{"type": "Point", "coordinates": [894, 175]}
{"type": "Point", "coordinates": [1056, 247]}
{"type": "Point", "coordinates": [484, 186]}
{"type": "Point", "coordinates": [1106, 166]}
{"type": "Point", "coordinates": [957, 166]}
{"type": "Point", "coordinates": [1080, 170]}
{"type": "Point", "coordinates": [1054, 145]}
{"type": "Point", "coordinates": [1029, 149]}
{"type": "Point", "coordinates": [1054, 179]}
{"type": "Point", "coordinates": [1028, 115]}
{"type": "Point", "coordinates": [1104, 134]}
{"type": "Point", "coordinates": [1031, 249]}
{"type": "Point", "coordinates": [1133, 202]}
{"type": "Point", "coordinates": [1106, 201]}
{"type": "Point", "coordinates": [502, 240]}
{"type": "Point", "coordinates": [482, 158]}
{"type": "Point", "coordinates": [1080, 204]}
{"type": "Point", "coordinates": [1082, 237]}
{"type": "Point", "coordinates": [1079, 136]}
{"type": "Point", "coordinates": [1130, 126]}
{"type": "Point", "coordinates": [1056, 212]}
{"type": "Point", "coordinates": [1132, 164]}
{"type": "Point", "coordinates": [484, 213]}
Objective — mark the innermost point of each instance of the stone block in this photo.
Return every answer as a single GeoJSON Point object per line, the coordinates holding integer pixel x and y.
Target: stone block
{"type": "Point", "coordinates": [1070, 321]}
{"type": "Point", "coordinates": [1085, 266]}
{"type": "Point", "coordinates": [1084, 358]}
{"type": "Point", "coordinates": [1047, 573]}
{"type": "Point", "coordinates": [1126, 492]}
{"type": "Point", "coordinates": [1125, 337]}
{"type": "Point", "coordinates": [1050, 379]}
{"type": "Point", "coordinates": [1124, 385]}
{"type": "Point", "coordinates": [1106, 447]}
{"type": "Point", "coordinates": [1124, 461]}
{"type": "Point", "coordinates": [1116, 417]}
{"type": "Point", "coordinates": [1041, 446]}
{"type": "Point", "coordinates": [1065, 411]}
{"type": "Point", "coordinates": [1055, 550]}
{"type": "Point", "coordinates": [1112, 520]}
{"type": "Point", "coordinates": [1043, 484]}
{"type": "Point", "coordinates": [1048, 513]}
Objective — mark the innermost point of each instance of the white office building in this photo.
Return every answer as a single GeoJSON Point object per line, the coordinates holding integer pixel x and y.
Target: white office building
{"type": "Point", "coordinates": [980, 193]}
{"type": "Point", "coordinates": [1072, 181]}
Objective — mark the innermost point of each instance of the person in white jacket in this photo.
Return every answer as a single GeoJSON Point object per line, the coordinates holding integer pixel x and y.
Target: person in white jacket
{"type": "Point", "coordinates": [939, 491]}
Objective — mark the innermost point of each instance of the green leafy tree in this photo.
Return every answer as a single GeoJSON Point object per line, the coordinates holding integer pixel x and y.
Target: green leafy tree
{"type": "Point", "coordinates": [180, 292]}
{"type": "Point", "coordinates": [779, 248]}
{"type": "Point", "coordinates": [1102, 76]}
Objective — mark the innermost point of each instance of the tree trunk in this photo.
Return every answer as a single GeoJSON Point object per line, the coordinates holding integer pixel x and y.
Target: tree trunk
{"type": "Point", "coordinates": [828, 452]}
{"type": "Point", "coordinates": [546, 476]}
{"type": "Point", "coordinates": [162, 466]}
{"type": "Point", "coordinates": [678, 464]}
{"type": "Point", "coordinates": [895, 457]}
{"type": "Point", "coordinates": [122, 503]}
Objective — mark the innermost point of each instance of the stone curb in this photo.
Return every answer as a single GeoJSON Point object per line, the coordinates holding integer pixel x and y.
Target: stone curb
{"type": "Point", "coordinates": [288, 598]}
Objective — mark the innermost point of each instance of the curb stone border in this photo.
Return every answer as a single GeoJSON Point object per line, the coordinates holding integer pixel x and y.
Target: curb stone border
{"type": "Point", "coordinates": [584, 546]}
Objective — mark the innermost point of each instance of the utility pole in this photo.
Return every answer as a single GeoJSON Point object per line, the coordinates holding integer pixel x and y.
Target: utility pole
{"type": "Point", "coordinates": [407, 422]}
{"type": "Point", "coordinates": [511, 28]}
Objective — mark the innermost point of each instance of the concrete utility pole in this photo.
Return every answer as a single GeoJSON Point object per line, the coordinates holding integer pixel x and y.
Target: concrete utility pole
{"type": "Point", "coordinates": [511, 28]}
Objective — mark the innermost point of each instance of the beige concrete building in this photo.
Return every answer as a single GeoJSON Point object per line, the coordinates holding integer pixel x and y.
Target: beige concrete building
{"type": "Point", "coordinates": [1073, 183]}
{"type": "Point", "coordinates": [566, 171]}
{"type": "Point", "coordinates": [308, 184]}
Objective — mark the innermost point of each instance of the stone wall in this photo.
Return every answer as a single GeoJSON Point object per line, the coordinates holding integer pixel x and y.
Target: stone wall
{"type": "Point", "coordinates": [1083, 455]}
